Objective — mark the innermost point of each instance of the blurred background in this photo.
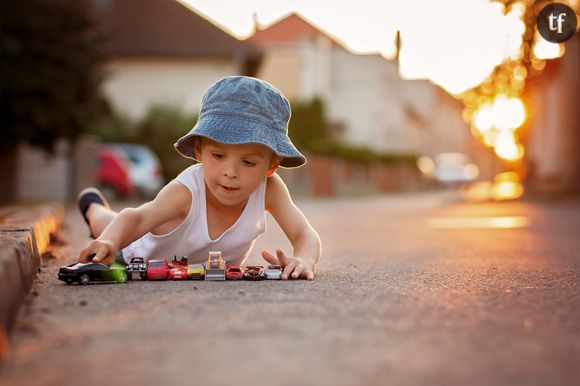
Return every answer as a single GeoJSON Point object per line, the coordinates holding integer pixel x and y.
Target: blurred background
{"type": "Point", "coordinates": [386, 97]}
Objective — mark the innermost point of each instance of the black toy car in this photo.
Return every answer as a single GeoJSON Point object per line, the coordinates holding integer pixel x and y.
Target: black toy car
{"type": "Point", "coordinates": [254, 272]}
{"type": "Point", "coordinates": [83, 273]}
{"type": "Point", "coordinates": [137, 269]}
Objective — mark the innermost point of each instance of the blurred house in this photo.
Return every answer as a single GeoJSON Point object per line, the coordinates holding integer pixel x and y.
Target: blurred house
{"type": "Point", "coordinates": [552, 157]}
{"type": "Point", "coordinates": [160, 52]}
{"type": "Point", "coordinates": [366, 100]}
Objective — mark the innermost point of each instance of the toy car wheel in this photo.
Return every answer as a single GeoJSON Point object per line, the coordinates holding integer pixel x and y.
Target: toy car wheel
{"type": "Point", "coordinates": [143, 275]}
{"type": "Point", "coordinates": [122, 277]}
{"type": "Point", "coordinates": [69, 281]}
{"type": "Point", "coordinates": [84, 279]}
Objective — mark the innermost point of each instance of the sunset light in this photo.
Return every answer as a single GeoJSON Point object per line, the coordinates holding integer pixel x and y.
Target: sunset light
{"type": "Point", "coordinates": [479, 60]}
{"type": "Point", "coordinates": [546, 50]}
{"type": "Point", "coordinates": [459, 53]}
{"type": "Point", "coordinates": [495, 124]}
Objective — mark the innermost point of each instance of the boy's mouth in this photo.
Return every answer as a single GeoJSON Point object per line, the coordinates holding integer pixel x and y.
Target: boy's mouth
{"type": "Point", "coordinates": [228, 189]}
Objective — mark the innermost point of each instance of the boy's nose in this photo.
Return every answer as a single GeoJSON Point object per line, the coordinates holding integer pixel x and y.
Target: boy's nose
{"type": "Point", "coordinates": [230, 171]}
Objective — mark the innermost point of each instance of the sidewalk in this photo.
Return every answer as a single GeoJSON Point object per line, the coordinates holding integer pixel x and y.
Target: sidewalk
{"type": "Point", "coordinates": [25, 236]}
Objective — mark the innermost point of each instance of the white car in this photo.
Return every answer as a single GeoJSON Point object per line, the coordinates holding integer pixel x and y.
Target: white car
{"type": "Point", "coordinates": [145, 168]}
{"type": "Point", "coordinates": [454, 169]}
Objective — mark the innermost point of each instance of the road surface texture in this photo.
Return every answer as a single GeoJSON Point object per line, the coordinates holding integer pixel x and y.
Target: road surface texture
{"type": "Point", "coordinates": [411, 290]}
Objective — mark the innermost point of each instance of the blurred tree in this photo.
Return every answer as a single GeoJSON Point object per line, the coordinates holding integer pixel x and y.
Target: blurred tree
{"type": "Point", "coordinates": [50, 75]}
{"type": "Point", "coordinates": [159, 129]}
{"type": "Point", "coordinates": [50, 70]}
{"type": "Point", "coordinates": [307, 125]}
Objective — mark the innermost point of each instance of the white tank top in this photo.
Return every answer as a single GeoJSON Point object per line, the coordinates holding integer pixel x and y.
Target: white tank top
{"type": "Point", "coordinates": [191, 237]}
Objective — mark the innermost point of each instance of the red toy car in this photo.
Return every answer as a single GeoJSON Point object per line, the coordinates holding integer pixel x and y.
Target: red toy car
{"type": "Point", "coordinates": [234, 272]}
{"type": "Point", "coordinates": [178, 271]}
{"type": "Point", "coordinates": [157, 269]}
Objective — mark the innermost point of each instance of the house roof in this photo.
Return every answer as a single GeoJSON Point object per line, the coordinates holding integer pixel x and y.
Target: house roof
{"type": "Point", "coordinates": [163, 28]}
{"type": "Point", "coordinates": [290, 29]}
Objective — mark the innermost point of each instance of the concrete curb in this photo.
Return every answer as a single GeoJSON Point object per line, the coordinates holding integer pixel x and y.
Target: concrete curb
{"type": "Point", "coordinates": [24, 237]}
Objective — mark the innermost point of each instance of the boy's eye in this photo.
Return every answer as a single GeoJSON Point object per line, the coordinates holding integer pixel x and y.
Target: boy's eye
{"type": "Point", "coordinates": [217, 156]}
{"type": "Point", "coordinates": [249, 163]}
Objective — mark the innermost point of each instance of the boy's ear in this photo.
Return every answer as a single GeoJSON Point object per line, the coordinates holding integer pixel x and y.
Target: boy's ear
{"type": "Point", "coordinates": [273, 166]}
{"type": "Point", "coordinates": [197, 149]}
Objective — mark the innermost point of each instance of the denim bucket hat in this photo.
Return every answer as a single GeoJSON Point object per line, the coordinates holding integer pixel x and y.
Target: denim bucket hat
{"type": "Point", "coordinates": [238, 110]}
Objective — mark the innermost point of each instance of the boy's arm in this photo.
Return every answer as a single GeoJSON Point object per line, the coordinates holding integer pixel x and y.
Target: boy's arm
{"type": "Point", "coordinates": [302, 236]}
{"type": "Point", "coordinates": [132, 223]}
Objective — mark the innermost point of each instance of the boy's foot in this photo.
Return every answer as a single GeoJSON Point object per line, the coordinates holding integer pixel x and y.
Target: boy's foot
{"type": "Point", "coordinates": [90, 196]}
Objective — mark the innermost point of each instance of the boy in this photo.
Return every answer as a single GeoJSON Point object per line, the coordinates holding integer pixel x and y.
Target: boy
{"type": "Point", "coordinates": [240, 139]}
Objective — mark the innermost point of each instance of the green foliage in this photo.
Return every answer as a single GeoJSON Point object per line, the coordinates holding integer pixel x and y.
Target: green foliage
{"type": "Point", "coordinates": [160, 128]}
{"type": "Point", "coordinates": [307, 125]}
{"type": "Point", "coordinates": [115, 128]}
{"type": "Point", "coordinates": [50, 68]}
{"type": "Point", "coordinates": [359, 154]}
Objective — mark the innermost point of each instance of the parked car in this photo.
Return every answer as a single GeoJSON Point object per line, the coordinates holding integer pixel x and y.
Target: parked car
{"type": "Point", "coordinates": [234, 272]}
{"type": "Point", "coordinates": [137, 269]}
{"type": "Point", "coordinates": [84, 273]}
{"type": "Point", "coordinates": [273, 272]}
{"type": "Point", "coordinates": [144, 168]}
{"type": "Point", "coordinates": [113, 173]}
{"type": "Point", "coordinates": [254, 272]}
{"type": "Point", "coordinates": [157, 269]}
{"type": "Point", "coordinates": [455, 169]}
{"type": "Point", "coordinates": [196, 271]}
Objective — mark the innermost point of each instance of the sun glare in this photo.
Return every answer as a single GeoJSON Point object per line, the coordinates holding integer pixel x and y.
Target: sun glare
{"type": "Point", "coordinates": [546, 50]}
{"type": "Point", "coordinates": [495, 124]}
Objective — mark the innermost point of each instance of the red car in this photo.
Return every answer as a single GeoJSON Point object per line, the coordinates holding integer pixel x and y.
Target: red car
{"type": "Point", "coordinates": [178, 271]}
{"type": "Point", "coordinates": [157, 269]}
{"type": "Point", "coordinates": [113, 173]}
{"type": "Point", "coordinates": [234, 272]}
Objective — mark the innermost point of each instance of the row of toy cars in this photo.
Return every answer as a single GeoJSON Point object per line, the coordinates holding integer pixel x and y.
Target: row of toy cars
{"type": "Point", "coordinates": [159, 269]}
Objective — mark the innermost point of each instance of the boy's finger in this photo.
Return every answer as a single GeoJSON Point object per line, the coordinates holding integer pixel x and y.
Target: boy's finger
{"type": "Point", "coordinates": [282, 257]}
{"type": "Point", "coordinates": [288, 269]}
{"type": "Point", "coordinates": [308, 274]}
{"type": "Point", "coordinates": [102, 252]}
{"type": "Point", "coordinates": [84, 255]}
{"type": "Point", "coordinates": [270, 258]}
{"type": "Point", "coordinates": [297, 271]}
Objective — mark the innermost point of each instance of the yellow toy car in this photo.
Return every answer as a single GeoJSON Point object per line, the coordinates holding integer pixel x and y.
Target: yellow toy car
{"type": "Point", "coordinates": [195, 271]}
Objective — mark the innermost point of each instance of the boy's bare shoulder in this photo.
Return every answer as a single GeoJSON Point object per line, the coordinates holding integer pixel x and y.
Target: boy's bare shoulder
{"type": "Point", "coordinates": [174, 194]}
{"type": "Point", "coordinates": [275, 190]}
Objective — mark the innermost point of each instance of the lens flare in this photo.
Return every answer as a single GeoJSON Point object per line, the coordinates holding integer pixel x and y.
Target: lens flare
{"type": "Point", "coordinates": [544, 49]}
{"type": "Point", "coordinates": [508, 113]}
{"type": "Point", "coordinates": [507, 186]}
{"type": "Point", "coordinates": [507, 148]}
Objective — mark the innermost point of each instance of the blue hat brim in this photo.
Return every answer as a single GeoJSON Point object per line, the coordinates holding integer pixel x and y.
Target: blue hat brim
{"type": "Point", "coordinates": [237, 130]}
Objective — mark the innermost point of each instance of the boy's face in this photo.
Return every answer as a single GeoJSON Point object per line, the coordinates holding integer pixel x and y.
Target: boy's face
{"type": "Point", "coordinates": [233, 172]}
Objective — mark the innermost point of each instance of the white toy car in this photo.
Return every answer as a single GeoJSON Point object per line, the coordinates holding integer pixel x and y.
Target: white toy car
{"type": "Point", "coordinates": [273, 272]}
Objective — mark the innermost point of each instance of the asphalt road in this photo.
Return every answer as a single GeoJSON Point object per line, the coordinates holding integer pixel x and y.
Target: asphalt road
{"type": "Point", "coordinates": [411, 290]}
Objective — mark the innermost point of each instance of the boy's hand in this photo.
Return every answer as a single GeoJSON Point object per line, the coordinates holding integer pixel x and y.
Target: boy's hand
{"type": "Point", "coordinates": [98, 251]}
{"type": "Point", "coordinates": [294, 267]}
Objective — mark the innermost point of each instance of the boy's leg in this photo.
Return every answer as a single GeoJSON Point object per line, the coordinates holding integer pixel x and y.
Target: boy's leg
{"type": "Point", "coordinates": [99, 217]}
{"type": "Point", "coordinates": [95, 210]}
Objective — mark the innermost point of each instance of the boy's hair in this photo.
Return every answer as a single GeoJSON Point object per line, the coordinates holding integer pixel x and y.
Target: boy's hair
{"type": "Point", "coordinates": [240, 109]}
